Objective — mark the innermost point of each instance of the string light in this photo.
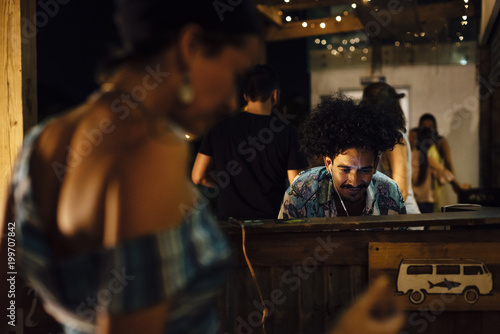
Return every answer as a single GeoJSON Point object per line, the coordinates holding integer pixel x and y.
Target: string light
{"type": "Point", "coordinates": [346, 13]}
{"type": "Point", "coordinates": [288, 18]}
{"type": "Point", "coordinates": [338, 18]}
{"type": "Point", "coordinates": [344, 41]}
{"type": "Point", "coordinates": [317, 41]}
{"type": "Point", "coordinates": [323, 42]}
{"type": "Point", "coordinates": [461, 38]}
{"type": "Point", "coordinates": [365, 50]}
{"type": "Point", "coordinates": [188, 136]}
{"type": "Point", "coordinates": [352, 41]}
{"type": "Point", "coordinates": [363, 58]}
{"type": "Point", "coordinates": [464, 17]}
{"type": "Point", "coordinates": [322, 25]}
{"type": "Point", "coordinates": [353, 5]}
{"type": "Point", "coordinates": [329, 47]}
{"type": "Point", "coordinates": [335, 52]}
{"type": "Point", "coordinates": [340, 49]}
{"type": "Point", "coordinates": [397, 43]}
{"type": "Point", "coordinates": [287, 1]}
{"type": "Point", "coordinates": [280, 12]}
{"type": "Point", "coordinates": [422, 34]}
{"type": "Point", "coordinates": [352, 48]}
{"type": "Point", "coordinates": [304, 24]}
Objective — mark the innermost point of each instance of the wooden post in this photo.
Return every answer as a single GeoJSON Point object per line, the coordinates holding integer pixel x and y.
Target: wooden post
{"type": "Point", "coordinates": [18, 100]}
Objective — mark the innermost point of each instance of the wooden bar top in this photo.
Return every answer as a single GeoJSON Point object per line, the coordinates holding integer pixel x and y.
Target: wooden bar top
{"type": "Point", "coordinates": [466, 216]}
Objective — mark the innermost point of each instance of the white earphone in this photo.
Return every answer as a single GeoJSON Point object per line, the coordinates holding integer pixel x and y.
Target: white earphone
{"type": "Point", "coordinates": [335, 187]}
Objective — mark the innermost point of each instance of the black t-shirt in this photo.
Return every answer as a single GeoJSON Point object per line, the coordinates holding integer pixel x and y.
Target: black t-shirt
{"type": "Point", "coordinates": [252, 154]}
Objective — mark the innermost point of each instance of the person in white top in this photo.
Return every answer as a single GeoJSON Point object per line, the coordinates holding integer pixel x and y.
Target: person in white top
{"type": "Point", "coordinates": [396, 162]}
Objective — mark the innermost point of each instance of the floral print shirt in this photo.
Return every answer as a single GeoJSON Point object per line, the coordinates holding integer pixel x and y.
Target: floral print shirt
{"type": "Point", "coordinates": [311, 195]}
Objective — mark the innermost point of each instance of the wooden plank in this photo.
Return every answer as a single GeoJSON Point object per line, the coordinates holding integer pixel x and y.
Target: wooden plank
{"type": "Point", "coordinates": [11, 101]}
{"type": "Point", "coordinates": [306, 4]}
{"type": "Point", "coordinates": [477, 217]}
{"type": "Point", "coordinates": [271, 13]}
{"type": "Point", "coordinates": [386, 258]}
{"type": "Point", "coordinates": [18, 106]}
{"type": "Point", "coordinates": [339, 248]}
{"type": "Point", "coordinates": [296, 30]}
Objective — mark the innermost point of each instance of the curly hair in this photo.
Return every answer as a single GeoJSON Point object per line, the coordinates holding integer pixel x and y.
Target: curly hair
{"type": "Point", "coordinates": [338, 124]}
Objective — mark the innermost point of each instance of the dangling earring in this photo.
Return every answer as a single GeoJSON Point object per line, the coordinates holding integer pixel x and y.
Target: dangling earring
{"type": "Point", "coordinates": [186, 94]}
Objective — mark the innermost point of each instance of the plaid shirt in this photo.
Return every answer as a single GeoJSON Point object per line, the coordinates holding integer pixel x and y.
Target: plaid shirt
{"type": "Point", "coordinates": [186, 265]}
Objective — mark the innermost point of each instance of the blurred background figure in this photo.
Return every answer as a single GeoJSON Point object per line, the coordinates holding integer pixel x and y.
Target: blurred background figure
{"type": "Point", "coordinates": [443, 156]}
{"type": "Point", "coordinates": [250, 157]}
{"type": "Point", "coordinates": [428, 172]}
{"type": "Point", "coordinates": [395, 162]}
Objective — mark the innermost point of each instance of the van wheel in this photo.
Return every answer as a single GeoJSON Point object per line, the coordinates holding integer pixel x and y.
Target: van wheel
{"type": "Point", "coordinates": [417, 297]}
{"type": "Point", "coordinates": [471, 295]}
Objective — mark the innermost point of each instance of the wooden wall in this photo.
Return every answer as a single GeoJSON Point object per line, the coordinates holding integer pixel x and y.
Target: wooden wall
{"type": "Point", "coordinates": [18, 100]}
{"type": "Point", "coordinates": [309, 274]}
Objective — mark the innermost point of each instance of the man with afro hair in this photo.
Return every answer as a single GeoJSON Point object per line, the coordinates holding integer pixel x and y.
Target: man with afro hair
{"type": "Point", "coordinates": [350, 138]}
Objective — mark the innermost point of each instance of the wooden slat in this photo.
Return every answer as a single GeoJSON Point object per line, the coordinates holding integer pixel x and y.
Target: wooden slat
{"type": "Point", "coordinates": [410, 18]}
{"type": "Point", "coordinates": [18, 100]}
{"type": "Point", "coordinates": [11, 101]}
{"type": "Point", "coordinates": [480, 216]}
{"type": "Point", "coordinates": [295, 29]}
{"type": "Point", "coordinates": [270, 13]}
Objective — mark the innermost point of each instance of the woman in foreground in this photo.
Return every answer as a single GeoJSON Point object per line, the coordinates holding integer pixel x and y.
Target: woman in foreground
{"type": "Point", "coordinates": [103, 205]}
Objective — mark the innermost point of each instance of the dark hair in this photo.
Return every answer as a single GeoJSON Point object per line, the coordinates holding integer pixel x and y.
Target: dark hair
{"type": "Point", "coordinates": [338, 124]}
{"type": "Point", "coordinates": [385, 96]}
{"type": "Point", "coordinates": [139, 55]}
{"type": "Point", "coordinates": [147, 27]}
{"type": "Point", "coordinates": [260, 82]}
{"type": "Point", "coordinates": [425, 140]}
{"type": "Point", "coordinates": [427, 117]}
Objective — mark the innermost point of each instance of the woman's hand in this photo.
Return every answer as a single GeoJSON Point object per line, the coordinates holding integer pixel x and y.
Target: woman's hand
{"type": "Point", "coordinates": [375, 313]}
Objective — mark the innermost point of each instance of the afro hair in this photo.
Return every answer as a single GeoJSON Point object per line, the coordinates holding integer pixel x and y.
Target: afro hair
{"type": "Point", "coordinates": [338, 124]}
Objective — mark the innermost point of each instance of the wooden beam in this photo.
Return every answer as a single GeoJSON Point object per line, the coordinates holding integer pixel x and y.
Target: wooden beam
{"type": "Point", "coordinates": [427, 14]}
{"type": "Point", "coordinates": [271, 13]}
{"type": "Point", "coordinates": [296, 30]}
{"type": "Point", "coordinates": [17, 84]}
{"type": "Point", "coordinates": [306, 4]}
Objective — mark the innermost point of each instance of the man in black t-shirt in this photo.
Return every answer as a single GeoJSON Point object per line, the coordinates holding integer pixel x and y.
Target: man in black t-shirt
{"type": "Point", "coordinates": [250, 156]}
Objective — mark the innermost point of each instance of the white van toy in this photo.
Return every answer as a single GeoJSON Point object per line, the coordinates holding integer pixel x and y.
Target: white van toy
{"type": "Point", "coordinates": [419, 277]}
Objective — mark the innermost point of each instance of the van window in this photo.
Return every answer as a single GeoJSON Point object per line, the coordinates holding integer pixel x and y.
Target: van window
{"type": "Point", "coordinates": [419, 270]}
{"type": "Point", "coordinates": [473, 270]}
{"type": "Point", "coordinates": [447, 270]}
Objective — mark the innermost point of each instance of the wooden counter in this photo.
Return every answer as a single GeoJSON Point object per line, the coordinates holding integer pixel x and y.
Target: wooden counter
{"type": "Point", "coordinates": [310, 270]}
